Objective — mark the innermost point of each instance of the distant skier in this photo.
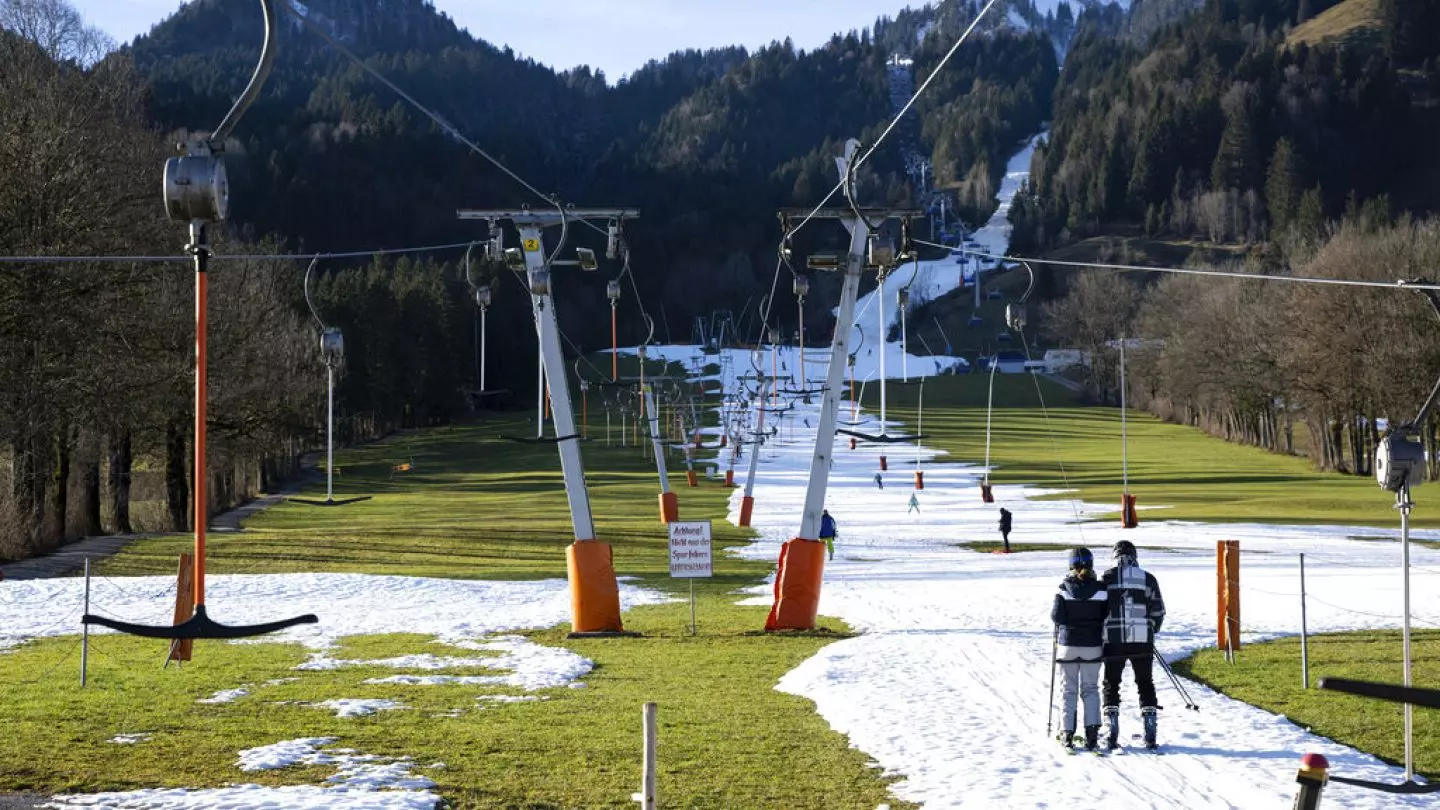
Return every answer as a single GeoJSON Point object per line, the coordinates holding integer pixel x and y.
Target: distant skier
{"type": "Point", "coordinates": [1007, 520]}
{"type": "Point", "coordinates": [828, 532]}
{"type": "Point", "coordinates": [879, 482]}
{"type": "Point", "coordinates": [914, 503]}
{"type": "Point", "coordinates": [1136, 611]}
{"type": "Point", "coordinates": [1079, 614]}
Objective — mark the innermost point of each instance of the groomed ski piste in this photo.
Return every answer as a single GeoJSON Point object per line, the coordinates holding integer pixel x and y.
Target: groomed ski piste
{"type": "Point", "coordinates": [946, 687]}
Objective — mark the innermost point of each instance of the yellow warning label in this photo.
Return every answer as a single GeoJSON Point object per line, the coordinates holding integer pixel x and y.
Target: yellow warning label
{"type": "Point", "coordinates": [532, 245]}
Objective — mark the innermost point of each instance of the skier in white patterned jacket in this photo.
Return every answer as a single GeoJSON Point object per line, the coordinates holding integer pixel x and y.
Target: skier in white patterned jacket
{"type": "Point", "coordinates": [1136, 611]}
{"type": "Point", "coordinates": [1079, 612]}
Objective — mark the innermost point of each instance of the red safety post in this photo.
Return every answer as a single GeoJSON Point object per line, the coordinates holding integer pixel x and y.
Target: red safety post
{"type": "Point", "coordinates": [1314, 773]}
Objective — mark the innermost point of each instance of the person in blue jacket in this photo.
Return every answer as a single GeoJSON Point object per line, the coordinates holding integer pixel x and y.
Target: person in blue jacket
{"type": "Point", "coordinates": [1079, 612]}
{"type": "Point", "coordinates": [827, 532]}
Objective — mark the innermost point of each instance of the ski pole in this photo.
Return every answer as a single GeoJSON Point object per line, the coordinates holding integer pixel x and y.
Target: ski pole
{"type": "Point", "coordinates": [1175, 682]}
{"type": "Point", "coordinates": [1050, 703]}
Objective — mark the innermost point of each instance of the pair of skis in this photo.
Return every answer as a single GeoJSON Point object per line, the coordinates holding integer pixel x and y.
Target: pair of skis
{"type": "Point", "coordinates": [1077, 746]}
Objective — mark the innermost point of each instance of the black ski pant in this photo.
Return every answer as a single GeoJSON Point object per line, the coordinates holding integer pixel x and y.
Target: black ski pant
{"type": "Point", "coordinates": [1142, 666]}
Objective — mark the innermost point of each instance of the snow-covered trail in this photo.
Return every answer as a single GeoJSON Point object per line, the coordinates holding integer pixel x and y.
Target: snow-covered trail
{"type": "Point", "coordinates": [928, 280]}
{"type": "Point", "coordinates": [947, 686]}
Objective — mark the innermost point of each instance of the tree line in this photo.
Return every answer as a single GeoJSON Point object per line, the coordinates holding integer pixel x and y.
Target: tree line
{"type": "Point", "coordinates": [1293, 368]}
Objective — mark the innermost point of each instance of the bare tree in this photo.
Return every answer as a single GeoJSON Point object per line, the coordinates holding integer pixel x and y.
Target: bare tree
{"type": "Point", "coordinates": [57, 28]}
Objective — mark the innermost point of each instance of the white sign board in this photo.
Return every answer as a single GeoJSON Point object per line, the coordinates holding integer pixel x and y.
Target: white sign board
{"type": "Point", "coordinates": [690, 549]}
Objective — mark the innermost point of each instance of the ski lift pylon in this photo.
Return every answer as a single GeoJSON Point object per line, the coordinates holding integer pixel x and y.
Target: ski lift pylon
{"type": "Point", "coordinates": [208, 207]}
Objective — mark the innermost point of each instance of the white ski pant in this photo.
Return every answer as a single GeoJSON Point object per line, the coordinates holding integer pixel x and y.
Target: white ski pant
{"type": "Point", "coordinates": [1080, 673]}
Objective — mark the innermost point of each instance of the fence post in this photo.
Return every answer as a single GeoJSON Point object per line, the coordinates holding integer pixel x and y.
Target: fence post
{"type": "Point", "coordinates": [1304, 631]}
{"type": "Point", "coordinates": [646, 796]}
{"type": "Point", "coordinates": [85, 630]}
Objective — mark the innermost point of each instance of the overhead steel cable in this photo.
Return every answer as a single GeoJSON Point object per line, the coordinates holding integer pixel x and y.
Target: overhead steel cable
{"type": "Point", "coordinates": [1399, 284]}
{"type": "Point", "coordinates": [273, 257]}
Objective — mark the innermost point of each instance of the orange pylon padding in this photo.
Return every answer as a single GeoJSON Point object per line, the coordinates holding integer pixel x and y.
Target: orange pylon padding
{"type": "Point", "coordinates": [747, 507]}
{"type": "Point", "coordinates": [729, 478]}
{"type": "Point", "coordinates": [724, 440]}
{"type": "Point", "coordinates": [985, 494]}
{"type": "Point", "coordinates": [852, 442]}
{"type": "Point", "coordinates": [1128, 518]}
{"type": "Point", "coordinates": [884, 465]}
{"type": "Point", "coordinates": [797, 586]}
{"type": "Point", "coordinates": [919, 479]}
{"type": "Point", "coordinates": [594, 594]}
{"type": "Point", "coordinates": [691, 479]}
{"type": "Point", "coordinates": [669, 507]}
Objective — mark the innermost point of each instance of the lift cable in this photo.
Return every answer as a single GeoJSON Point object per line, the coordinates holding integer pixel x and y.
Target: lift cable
{"type": "Point", "coordinates": [1399, 284]}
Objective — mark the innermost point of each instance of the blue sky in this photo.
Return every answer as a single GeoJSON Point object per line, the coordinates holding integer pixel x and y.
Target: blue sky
{"type": "Point", "coordinates": [616, 36]}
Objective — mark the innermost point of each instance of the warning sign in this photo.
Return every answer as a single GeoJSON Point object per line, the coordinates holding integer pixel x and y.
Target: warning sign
{"type": "Point", "coordinates": [690, 550]}
{"type": "Point", "coordinates": [532, 245]}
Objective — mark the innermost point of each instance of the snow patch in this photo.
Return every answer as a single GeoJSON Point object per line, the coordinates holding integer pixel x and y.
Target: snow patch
{"type": "Point", "coordinates": [226, 695]}
{"type": "Point", "coordinates": [129, 739]}
{"type": "Point", "coordinates": [357, 707]}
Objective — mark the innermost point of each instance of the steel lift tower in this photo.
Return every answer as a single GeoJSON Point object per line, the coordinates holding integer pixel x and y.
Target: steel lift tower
{"type": "Point", "coordinates": [802, 560]}
{"type": "Point", "coordinates": [594, 594]}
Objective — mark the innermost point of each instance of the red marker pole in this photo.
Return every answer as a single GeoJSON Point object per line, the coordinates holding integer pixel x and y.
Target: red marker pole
{"type": "Point", "coordinates": [1314, 773]}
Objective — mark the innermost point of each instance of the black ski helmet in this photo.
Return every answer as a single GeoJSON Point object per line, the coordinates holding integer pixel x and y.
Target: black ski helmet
{"type": "Point", "coordinates": [1125, 550]}
{"type": "Point", "coordinates": [1081, 558]}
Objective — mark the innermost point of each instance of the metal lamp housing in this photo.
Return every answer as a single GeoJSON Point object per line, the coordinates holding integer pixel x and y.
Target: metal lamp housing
{"type": "Point", "coordinates": [1015, 316]}
{"type": "Point", "coordinates": [824, 261]}
{"type": "Point", "coordinates": [587, 260]}
{"type": "Point", "coordinates": [332, 345]}
{"type": "Point", "coordinates": [196, 189]}
{"type": "Point", "coordinates": [802, 286]}
{"type": "Point", "coordinates": [612, 291]}
{"type": "Point", "coordinates": [482, 296]}
{"type": "Point", "coordinates": [882, 254]}
{"type": "Point", "coordinates": [1399, 461]}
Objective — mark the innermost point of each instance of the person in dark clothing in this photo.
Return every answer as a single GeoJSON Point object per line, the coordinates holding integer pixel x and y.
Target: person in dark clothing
{"type": "Point", "coordinates": [1079, 612]}
{"type": "Point", "coordinates": [1006, 522]}
{"type": "Point", "coordinates": [1135, 612]}
{"type": "Point", "coordinates": [828, 532]}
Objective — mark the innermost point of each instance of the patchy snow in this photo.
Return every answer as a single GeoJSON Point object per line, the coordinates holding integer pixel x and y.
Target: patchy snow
{"type": "Point", "coordinates": [359, 707]}
{"type": "Point", "coordinates": [321, 661]}
{"type": "Point", "coordinates": [226, 695]}
{"type": "Point", "coordinates": [463, 614]}
{"type": "Point", "coordinates": [511, 698]}
{"type": "Point", "coordinates": [347, 604]}
{"type": "Point", "coordinates": [360, 782]}
{"type": "Point", "coordinates": [129, 739]}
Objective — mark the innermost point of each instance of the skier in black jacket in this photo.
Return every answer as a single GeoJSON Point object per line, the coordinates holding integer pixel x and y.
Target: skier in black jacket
{"type": "Point", "coordinates": [1079, 614]}
{"type": "Point", "coordinates": [1136, 611]}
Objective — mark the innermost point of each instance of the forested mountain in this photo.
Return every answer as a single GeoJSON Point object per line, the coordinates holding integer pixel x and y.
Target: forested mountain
{"type": "Point", "coordinates": [1222, 126]}
{"type": "Point", "coordinates": [706, 144]}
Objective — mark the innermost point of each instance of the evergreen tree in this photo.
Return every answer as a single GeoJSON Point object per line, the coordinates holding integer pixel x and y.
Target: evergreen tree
{"type": "Point", "coordinates": [1310, 214]}
{"type": "Point", "coordinates": [1283, 184]}
{"type": "Point", "coordinates": [1237, 163]}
